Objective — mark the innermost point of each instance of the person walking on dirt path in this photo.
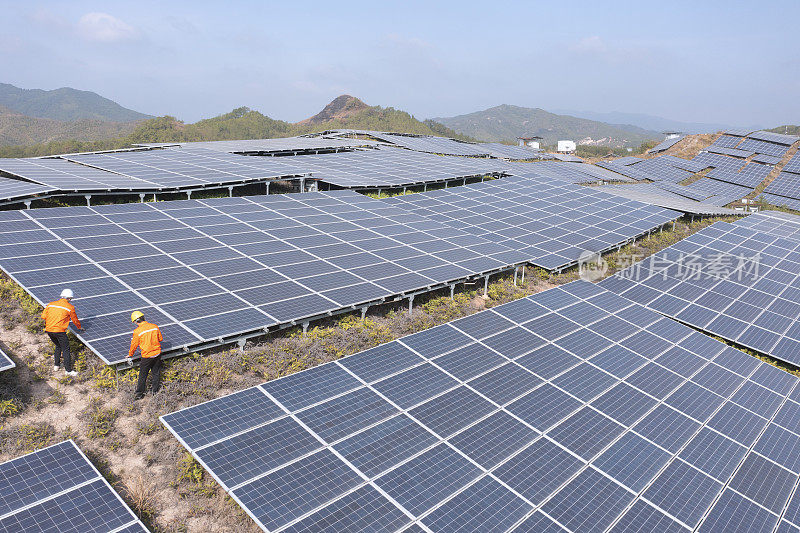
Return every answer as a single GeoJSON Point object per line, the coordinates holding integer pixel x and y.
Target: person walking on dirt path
{"type": "Point", "coordinates": [57, 316]}
{"type": "Point", "coordinates": [147, 337]}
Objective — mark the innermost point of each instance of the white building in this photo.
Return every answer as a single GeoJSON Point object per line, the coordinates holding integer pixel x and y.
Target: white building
{"type": "Point", "coordinates": [566, 147]}
{"type": "Point", "coordinates": [530, 142]}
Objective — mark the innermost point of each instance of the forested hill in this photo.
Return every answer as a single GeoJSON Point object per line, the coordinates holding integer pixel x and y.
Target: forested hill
{"type": "Point", "coordinates": [241, 123]}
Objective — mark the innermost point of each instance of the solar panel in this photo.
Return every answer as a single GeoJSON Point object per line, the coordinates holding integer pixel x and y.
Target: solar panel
{"type": "Point", "coordinates": [749, 176]}
{"type": "Point", "coordinates": [727, 141]}
{"type": "Point", "coordinates": [773, 222]}
{"type": "Point", "coordinates": [506, 151]}
{"type": "Point", "coordinates": [666, 144]}
{"type": "Point", "coordinates": [389, 167]}
{"type": "Point", "coordinates": [550, 222]}
{"type": "Point", "coordinates": [212, 270]}
{"type": "Point", "coordinates": [654, 194]}
{"type": "Point", "coordinates": [785, 184]}
{"type": "Point", "coordinates": [570, 173]}
{"type": "Point", "coordinates": [738, 132]}
{"type": "Point", "coordinates": [186, 168]}
{"type": "Point", "coordinates": [433, 145]}
{"type": "Point", "coordinates": [793, 165]}
{"type": "Point", "coordinates": [62, 175]}
{"type": "Point", "coordinates": [719, 162]}
{"type": "Point", "coordinates": [782, 201]}
{"type": "Point", "coordinates": [720, 192]}
{"type": "Point", "coordinates": [778, 138]}
{"type": "Point", "coordinates": [615, 418]}
{"type": "Point", "coordinates": [763, 147]}
{"type": "Point", "coordinates": [6, 363]}
{"type": "Point", "coordinates": [277, 145]}
{"type": "Point", "coordinates": [734, 152]}
{"type": "Point", "coordinates": [58, 489]}
{"type": "Point", "coordinates": [767, 159]}
{"type": "Point", "coordinates": [733, 281]}
{"type": "Point", "coordinates": [14, 190]}
{"type": "Point", "coordinates": [663, 169]}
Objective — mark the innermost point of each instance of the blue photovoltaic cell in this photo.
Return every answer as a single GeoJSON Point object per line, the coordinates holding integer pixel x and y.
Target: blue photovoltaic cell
{"type": "Point", "coordinates": [436, 474]}
{"type": "Point", "coordinates": [498, 509]}
{"type": "Point", "coordinates": [5, 362]}
{"type": "Point", "coordinates": [457, 435]}
{"type": "Point", "coordinates": [58, 489]}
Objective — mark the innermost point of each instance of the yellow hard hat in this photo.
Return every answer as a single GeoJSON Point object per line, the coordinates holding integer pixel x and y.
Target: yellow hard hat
{"type": "Point", "coordinates": [136, 315]}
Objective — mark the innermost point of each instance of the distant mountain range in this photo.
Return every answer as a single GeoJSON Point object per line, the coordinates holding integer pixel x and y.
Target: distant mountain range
{"type": "Point", "coordinates": [65, 105]}
{"type": "Point", "coordinates": [652, 122]}
{"type": "Point", "coordinates": [507, 122]}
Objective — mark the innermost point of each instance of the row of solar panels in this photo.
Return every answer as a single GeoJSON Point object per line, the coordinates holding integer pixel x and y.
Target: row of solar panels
{"type": "Point", "coordinates": [216, 269]}
{"type": "Point", "coordinates": [572, 410]}
{"type": "Point", "coordinates": [58, 489]}
{"type": "Point", "coordinates": [191, 168]}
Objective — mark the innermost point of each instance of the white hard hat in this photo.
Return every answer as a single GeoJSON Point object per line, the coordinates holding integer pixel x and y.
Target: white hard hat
{"type": "Point", "coordinates": [67, 293]}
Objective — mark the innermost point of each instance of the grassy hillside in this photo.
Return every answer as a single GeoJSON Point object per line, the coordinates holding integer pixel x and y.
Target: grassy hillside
{"type": "Point", "coordinates": [17, 129]}
{"type": "Point", "coordinates": [241, 123]}
{"type": "Point", "coordinates": [788, 130]}
{"type": "Point", "coordinates": [65, 104]}
{"type": "Point", "coordinates": [507, 122]}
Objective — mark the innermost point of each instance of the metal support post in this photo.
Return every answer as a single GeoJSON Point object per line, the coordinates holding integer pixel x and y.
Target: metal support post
{"type": "Point", "coordinates": [241, 343]}
{"type": "Point", "coordinates": [452, 290]}
{"type": "Point", "coordinates": [141, 197]}
{"type": "Point", "coordinates": [516, 270]}
{"type": "Point", "coordinates": [27, 204]}
{"type": "Point", "coordinates": [267, 188]}
{"type": "Point", "coordinates": [230, 191]}
{"type": "Point", "coordinates": [305, 327]}
{"type": "Point", "coordinates": [410, 304]}
{"type": "Point", "coordinates": [88, 199]}
{"type": "Point", "coordinates": [364, 312]}
{"type": "Point", "coordinates": [188, 195]}
{"type": "Point", "coordinates": [486, 287]}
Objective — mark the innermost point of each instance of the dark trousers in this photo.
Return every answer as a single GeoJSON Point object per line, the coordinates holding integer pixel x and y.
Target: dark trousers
{"type": "Point", "coordinates": [145, 366]}
{"type": "Point", "coordinates": [62, 348]}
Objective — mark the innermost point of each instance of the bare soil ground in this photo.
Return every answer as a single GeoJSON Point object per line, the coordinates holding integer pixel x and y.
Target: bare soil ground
{"type": "Point", "coordinates": [125, 439]}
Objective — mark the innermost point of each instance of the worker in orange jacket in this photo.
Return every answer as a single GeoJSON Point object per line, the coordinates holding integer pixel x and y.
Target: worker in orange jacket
{"type": "Point", "coordinates": [146, 337]}
{"type": "Point", "coordinates": [57, 316]}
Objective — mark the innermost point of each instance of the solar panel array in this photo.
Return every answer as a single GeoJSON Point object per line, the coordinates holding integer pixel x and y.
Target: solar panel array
{"type": "Point", "coordinates": [782, 201]}
{"type": "Point", "coordinates": [572, 173]}
{"type": "Point", "coordinates": [58, 489]}
{"type": "Point", "coordinates": [666, 144]}
{"type": "Point", "coordinates": [551, 223]}
{"type": "Point", "coordinates": [219, 268]}
{"type": "Point", "coordinates": [730, 280]}
{"type": "Point", "coordinates": [778, 138]}
{"type": "Point", "coordinates": [62, 175]}
{"type": "Point", "coordinates": [773, 222]}
{"type": "Point", "coordinates": [727, 141]}
{"type": "Point", "coordinates": [570, 410]}
{"type": "Point", "coordinates": [6, 363]}
{"type": "Point", "coordinates": [12, 190]}
{"type": "Point", "coordinates": [766, 159]}
{"type": "Point", "coordinates": [793, 165]}
{"type": "Point", "coordinates": [186, 168]}
{"type": "Point", "coordinates": [390, 167]}
{"type": "Point", "coordinates": [663, 169]}
{"type": "Point", "coordinates": [749, 176]}
{"type": "Point", "coordinates": [433, 145]}
{"type": "Point", "coordinates": [734, 152]}
{"type": "Point", "coordinates": [785, 184]}
{"type": "Point", "coordinates": [738, 132]}
{"type": "Point", "coordinates": [660, 195]}
{"type": "Point", "coordinates": [506, 151]}
{"type": "Point", "coordinates": [763, 147]}
{"type": "Point", "coordinates": [278, 145]}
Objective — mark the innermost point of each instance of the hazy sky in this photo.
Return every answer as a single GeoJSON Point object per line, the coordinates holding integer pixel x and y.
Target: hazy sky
{"type": "Point", "coordinates": [707, 61]}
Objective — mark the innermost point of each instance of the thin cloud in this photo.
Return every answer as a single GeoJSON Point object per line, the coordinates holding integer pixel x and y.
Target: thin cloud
{"type": "Point", "coordinates": [102, 27]}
